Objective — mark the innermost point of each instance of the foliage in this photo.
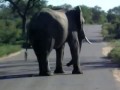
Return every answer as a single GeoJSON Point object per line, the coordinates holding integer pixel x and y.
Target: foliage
{"type": "Point", "coordinates": [117, 30]}
{"type": "Point", "coordinates": [24, 8]}
{"type": "Point", "coordinates": [6, 49]}
{"type": "Point", "coordinates": [113, 15]}
{"type": "Point", "coordinates": [115, 55]}
{"type": "Point", "coordinates": [98, 16]}
{"type": "Point", "coordinates": [108, 31]}
{"type": "Point", "coordinates": [5, 13]}
{"type": "Point", "coordinates": [94, 15]}
{"type": "Point", "coordinates": [28, 7]}
{"type": "Point", "coordinates": [87, 13]}
{"type": "Point", "coordinates": [115, 43]}
{"type": "Point", "coordinates": [111, 31]}
{"type": "Point", "coordinates": [8, 31]}
{"type": "Point", "coordinates": [64, 6]}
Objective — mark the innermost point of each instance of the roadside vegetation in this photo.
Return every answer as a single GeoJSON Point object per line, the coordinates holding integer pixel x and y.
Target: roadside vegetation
{"type": "Point", "coordinates": [7, 49]}
{"type": "Point", "coordinates": [13, 18]}
{"type": "Point", "coordinates": [111, 33]}
{"type": "Point", "coordinates": [115, 52]}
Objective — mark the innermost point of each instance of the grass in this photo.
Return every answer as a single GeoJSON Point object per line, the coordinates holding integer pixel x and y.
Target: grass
{"type": "Point", "coordinates": [115, 43]}
{"type": "Point", "coordinates": [115, 55]}
{"type": "Point", "coordinates": [6, 49]}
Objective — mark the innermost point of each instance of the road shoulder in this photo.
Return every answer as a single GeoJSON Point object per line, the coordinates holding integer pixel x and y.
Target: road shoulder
{"type": "Point", "coordinates": [10, 55]}
{"type": "Point", "coordinates": [116, 71]}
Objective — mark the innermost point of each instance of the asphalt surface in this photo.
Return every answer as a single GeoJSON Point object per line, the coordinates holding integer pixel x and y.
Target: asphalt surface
{"type": "Point", "coordinates": [18, 74]}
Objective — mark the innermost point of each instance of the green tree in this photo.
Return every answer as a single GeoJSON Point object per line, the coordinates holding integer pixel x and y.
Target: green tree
{"type": "Point", "coordinates": [64, 6]}
{"type": "Point", "coordinates": [8, 31]}
{"type": "Point", "coordinates": [5, 12]}
{"type": "Point", "coordinates": [98, 15]}
{"type": "Point", "coordinates": [24, 8]}
{"type": "Point", "coordinates": [87, 13]}
{"type": "Point", "coordinates": [113, 15]}
{"type": "Point", "coordinates": [103, 17]}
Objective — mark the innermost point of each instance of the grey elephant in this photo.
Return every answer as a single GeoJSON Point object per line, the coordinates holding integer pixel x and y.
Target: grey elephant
{"type": "Point", "coordinates": [50, 29]}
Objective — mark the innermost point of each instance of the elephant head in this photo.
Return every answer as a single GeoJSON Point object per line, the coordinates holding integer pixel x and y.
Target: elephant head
{"type": "Point", "coordinates": [76, 21]}
{"type": "Point", "coordinates": [82, 20]}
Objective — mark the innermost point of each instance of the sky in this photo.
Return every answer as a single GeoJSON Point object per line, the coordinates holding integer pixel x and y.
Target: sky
{"type": "Point", "coordinates": [104, 4]}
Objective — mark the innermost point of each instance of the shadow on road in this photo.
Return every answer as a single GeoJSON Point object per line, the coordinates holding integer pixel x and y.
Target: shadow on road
{"type": "Point", "coordinates": [18, 76]}
{"type": "Point", "coordinates": [8, 69]}
{"type": "Point", "coordinates": [18, 69]}
{"type": "Point", "coordinates": [98, 63]}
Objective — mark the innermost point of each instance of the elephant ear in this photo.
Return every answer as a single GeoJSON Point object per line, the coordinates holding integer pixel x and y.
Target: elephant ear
{"type": "Point", "coordinates": [78, 9]}
{"type": "Point", "coordinates": [83, 36]}
{"type": "Point", "coordinates": [80, 21]}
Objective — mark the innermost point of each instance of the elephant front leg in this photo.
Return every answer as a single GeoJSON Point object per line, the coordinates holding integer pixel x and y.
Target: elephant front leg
{"type": "Point", "coordinates": [80, 45]}
{"type": "Point", "coordinates": [75, 50]}
{"type": "Point", "coordinates": [59, 59]}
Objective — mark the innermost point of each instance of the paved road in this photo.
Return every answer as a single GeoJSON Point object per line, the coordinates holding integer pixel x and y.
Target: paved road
{"type": "Point", "coordinates": [16, 74]}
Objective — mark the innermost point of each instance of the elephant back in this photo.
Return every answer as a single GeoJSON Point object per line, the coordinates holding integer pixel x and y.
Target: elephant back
{"type": "Point", "coordinates": [50, 23]}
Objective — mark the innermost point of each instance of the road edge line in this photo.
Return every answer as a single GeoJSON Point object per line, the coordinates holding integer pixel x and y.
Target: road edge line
{"type": "Point", "coordinates": [11, 55]}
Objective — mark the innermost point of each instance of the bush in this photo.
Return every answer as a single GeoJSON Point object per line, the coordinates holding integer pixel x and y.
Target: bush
{"type": "Point", "coordinates": [115, 43]}
{"type": "Point", "coordinates": [8, 49]}
{"type": "Point", "coordinates": [115, 52]}
{"type": "Point", "coordinates": [108, 31]}
{"type": "Point", "coordinates": [9, 33]}
{"type": "Point", "coordinates": [117, 29]}
{"type": "Point", "coordinates": [115, 55]}
{"type": "Point", "coordinates": [111, 31]}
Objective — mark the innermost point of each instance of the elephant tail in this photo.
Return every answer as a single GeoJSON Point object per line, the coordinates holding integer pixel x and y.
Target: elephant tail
{"type": "Point", "coordinates": [26, 54]}
{"type": "Point", "coordinates": [26, 48]}
{"type": "Point", "coordinates": [26, 42]}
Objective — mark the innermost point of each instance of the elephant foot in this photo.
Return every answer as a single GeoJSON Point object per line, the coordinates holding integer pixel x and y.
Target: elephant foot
{"type": "Point", "coordinates": [70, 63]}
{"type": "Point", "coordinates": [77, 72]}
{"type": "Point", "coordinates": [58, 71]}
{"type": "Point", "coordinates": [45, 74]}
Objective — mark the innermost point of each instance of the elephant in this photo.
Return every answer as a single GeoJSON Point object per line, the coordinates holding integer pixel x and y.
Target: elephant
{"type": "Point", "coordinates": [51, 29]}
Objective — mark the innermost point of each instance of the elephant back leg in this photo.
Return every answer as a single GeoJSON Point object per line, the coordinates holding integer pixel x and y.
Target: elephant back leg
{"type": "Point", "coordinates": [59, 59]}
{"type": "Point", "coordinates": [42, 50]}
{"type": "Point", "coordinates": [75, 49]}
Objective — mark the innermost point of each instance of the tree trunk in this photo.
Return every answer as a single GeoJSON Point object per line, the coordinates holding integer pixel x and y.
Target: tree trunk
{"type": "Point", "coordinates": [24, 27]}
